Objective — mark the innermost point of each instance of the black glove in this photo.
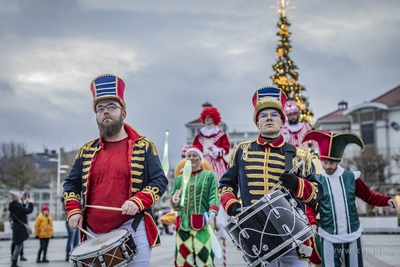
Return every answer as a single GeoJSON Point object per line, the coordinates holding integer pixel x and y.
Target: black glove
{"type": "Point", "coordinates": [36, 237]}
{"type": "Point", "coordinates": [289, 180]}
{"type": "Point", "coordinates": [233, 209]}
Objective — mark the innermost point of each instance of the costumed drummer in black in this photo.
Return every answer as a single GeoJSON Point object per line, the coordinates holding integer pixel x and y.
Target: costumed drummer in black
{"type": "Point", "coordinates": [256, 166]}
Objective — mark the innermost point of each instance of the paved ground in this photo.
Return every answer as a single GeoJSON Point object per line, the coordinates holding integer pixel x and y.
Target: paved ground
{"type": "Point", "coordinates": [382, 251]}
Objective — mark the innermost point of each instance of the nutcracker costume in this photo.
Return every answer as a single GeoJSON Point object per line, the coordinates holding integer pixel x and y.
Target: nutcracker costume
{"type": "Point", "coordinates": [110, 173]}
{"type": "Point", "coordinates": [256, 166]}
{"type": "Point", "coordinates": [339, 230]}
{"type": "Point", "coordinates": [193, 243]}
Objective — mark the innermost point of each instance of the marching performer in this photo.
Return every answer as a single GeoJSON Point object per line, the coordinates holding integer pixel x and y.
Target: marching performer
{"type": "Point", "coordinates": [193, 242]}
{"type": "Point", "coordinates": [294, 130]}
{"type": "Point", "coordinates": [339, 226]}
{"type": "Point", "coordinates": [256, 166]}
{"type": "Point", "coordinates": [215, 145]}
{"type": "Point", "coordinates": [120, 169]}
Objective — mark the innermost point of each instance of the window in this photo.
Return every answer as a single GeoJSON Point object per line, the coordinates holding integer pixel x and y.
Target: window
{"type": "Point", "coordinates": [355, 117]}
{"type": "Point", "coordinates": [367, 133]}
{"type": "Point", "coordinates": [379, 115]}
{"type": "Point", "coordinates": [368, 116]}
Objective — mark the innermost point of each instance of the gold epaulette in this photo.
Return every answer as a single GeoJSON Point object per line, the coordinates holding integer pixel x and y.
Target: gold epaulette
{"type": "Point", "coordinates": [303, 154]}
{"type": "Point", "coordinates": [153, 146]}
{"type": "Point", "coordinates": [245, 147]}
{"type": "Point", "coordinates": [80, 151]}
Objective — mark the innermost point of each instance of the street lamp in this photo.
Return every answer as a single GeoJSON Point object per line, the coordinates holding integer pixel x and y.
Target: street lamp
{"type": "Point", "coordinates": [59, 171]}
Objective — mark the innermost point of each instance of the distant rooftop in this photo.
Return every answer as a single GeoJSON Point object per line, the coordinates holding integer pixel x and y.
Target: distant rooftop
{"type": "Point", "coordinates": [390, 99]}
{"type": "Point", "coordinates": [336, 115]}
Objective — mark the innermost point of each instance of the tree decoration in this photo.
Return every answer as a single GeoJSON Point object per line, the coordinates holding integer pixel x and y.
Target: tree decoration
{"type": "Point", "coordinates": [286, 72]}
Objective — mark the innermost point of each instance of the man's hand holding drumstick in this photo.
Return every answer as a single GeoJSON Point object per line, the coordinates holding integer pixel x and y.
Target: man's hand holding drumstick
{"type": "Point", "coordinates": [129, 208]}
{"type": "Point", "coordinates": [75, 220]}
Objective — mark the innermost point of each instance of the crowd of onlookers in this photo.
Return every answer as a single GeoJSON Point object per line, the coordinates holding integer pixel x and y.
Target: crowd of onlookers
{"type": "Point", "coordinates": [21, 204]}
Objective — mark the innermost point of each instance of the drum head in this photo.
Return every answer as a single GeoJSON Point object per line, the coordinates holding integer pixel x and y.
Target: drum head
{"type": "Point", "coordinates": [103, 240]}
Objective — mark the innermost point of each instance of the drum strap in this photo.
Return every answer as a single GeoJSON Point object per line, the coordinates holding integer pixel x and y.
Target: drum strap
{"type": "Point", "coordinates": [136, 221]}
{"type": "Point", "coordinates": [290, 153]}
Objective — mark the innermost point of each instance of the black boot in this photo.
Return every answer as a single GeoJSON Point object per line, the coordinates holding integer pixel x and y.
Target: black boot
{"type": "Point", "coordinates": [22, 258]}
{"type": "Point", "coordinates": [44, 257]}
{"type": "Point", "coordinates": [14, 263]}
{"type": "Point", "coordinates": [38, 257]}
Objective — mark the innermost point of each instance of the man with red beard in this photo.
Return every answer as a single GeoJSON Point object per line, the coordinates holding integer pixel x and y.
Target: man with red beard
{"type": "Point", "coordinates": [121, 169]}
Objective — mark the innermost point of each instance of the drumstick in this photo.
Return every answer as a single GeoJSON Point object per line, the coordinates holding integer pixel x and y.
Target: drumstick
{"type": "Point", "coordinates": [104, 207]}
{"type": "Point", "coordinates": [86, 232]}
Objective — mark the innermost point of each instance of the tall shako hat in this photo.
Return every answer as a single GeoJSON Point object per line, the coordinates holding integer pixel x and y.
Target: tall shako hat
{"type": "Point", "coordinates": [108, 86]}
{"type": "Point", "coordinates": [291, 107]}
{"type": "Point", "coordinates": [332, 145]}
{"type": "Point", "coordinates": [269, 97]}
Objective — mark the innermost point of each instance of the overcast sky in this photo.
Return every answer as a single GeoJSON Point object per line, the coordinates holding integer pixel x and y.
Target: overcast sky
{"type": "Point", "coordinates": [174, 55]}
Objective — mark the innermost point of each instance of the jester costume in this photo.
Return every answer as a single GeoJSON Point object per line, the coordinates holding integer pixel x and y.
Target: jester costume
{"type": "Point", "coordinates": [193, 243]}
{"type": "Point", "coordinates": [96, 179]}
{"type": "Point", "coordinates": [339, 230]}
{"type": "Point", "coordinates": [256, 166]}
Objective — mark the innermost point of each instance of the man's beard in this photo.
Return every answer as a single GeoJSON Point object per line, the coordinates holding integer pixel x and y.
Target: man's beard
{"type": "Point", "coordinates": [112, 128]}
{"type": "Point", "coordinates": [294, 121]}
{"type": "Point", "coordinates": [330, 171]}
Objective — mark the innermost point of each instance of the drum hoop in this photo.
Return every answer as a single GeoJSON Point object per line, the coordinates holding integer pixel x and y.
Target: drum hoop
{"type": "Point", "coordinates": [284, 244]}
{"type": "Point", "coordinates": [101, 251]}
{"type": "Point", "coordinates": [256, 211]}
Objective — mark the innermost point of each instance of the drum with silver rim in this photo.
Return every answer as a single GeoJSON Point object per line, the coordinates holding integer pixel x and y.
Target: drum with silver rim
{"type": "Point", "coordinates": [269, 228]}
{"type": "Point", "coordinates": [115, 248]}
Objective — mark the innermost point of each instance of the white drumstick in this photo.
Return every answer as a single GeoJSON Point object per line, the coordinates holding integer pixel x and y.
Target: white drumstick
{"type": "Point", "coordinates": [104, 207]}
{"type": "Point", "coordinates": [86, 232]}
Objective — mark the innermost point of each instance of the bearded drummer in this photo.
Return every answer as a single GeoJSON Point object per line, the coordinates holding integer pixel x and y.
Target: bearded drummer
{"type": "Point", "coordinates": [121, 169]}
{"type": "Point", "coordinates": [258, 165]}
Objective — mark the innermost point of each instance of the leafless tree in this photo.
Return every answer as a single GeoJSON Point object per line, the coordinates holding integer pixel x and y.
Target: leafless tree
{"type": "Point", "coordinates": [374, 170]}
{"type": "Point", "coordinates": [18, 169]}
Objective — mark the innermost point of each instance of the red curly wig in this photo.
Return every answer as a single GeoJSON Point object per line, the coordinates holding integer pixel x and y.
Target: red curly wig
{"type": "Point", "coordinates": [213, 112]}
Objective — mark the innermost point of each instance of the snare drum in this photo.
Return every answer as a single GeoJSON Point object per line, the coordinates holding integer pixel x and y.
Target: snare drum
{"type": "Point", "coordinates": [269, 228]}
{"type": "Point", "coordinates": [115, 248]}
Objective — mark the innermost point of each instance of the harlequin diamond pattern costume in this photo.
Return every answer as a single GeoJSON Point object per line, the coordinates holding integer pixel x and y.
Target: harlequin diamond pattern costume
{"type": "Point", "coordinates": [218, 140]}
{"type": "Point", "coordinates": [255, 166]}
{"type": "Point", "coordinates": [339, 226]}
{"type": "Point", "coordinates": [193, 243]}
{"type": "Point", "coordinates": [144, 181]}
{"type": "Point", "coordinates": [293, 133]}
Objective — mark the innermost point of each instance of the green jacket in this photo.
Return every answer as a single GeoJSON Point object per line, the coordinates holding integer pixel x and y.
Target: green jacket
{"type": "Point", "coordinates": [201, 197]}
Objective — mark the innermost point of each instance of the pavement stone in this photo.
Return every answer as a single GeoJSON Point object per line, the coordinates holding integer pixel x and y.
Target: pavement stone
{"type": "Point", "coordinates": [381, 251]}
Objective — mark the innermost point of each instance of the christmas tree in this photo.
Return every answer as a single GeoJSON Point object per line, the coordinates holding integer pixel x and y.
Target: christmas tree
{"type": "Point", "coordinates": [286, 73]}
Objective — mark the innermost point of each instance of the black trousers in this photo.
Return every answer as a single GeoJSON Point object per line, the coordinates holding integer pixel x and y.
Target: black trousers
{"type": "Point", "coordinates": [44, 243]}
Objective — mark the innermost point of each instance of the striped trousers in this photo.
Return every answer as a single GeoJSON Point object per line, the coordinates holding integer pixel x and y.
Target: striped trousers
{"type": "Point", "coordinates": [342, 254]}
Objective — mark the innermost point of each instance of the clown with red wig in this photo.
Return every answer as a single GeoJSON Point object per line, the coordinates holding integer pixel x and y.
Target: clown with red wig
{"type": "Point", "coordinates": [294, 130]}
{"type": "Point", "coordinates": [213, 141]}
